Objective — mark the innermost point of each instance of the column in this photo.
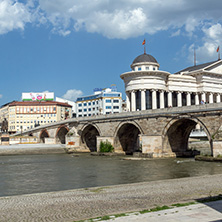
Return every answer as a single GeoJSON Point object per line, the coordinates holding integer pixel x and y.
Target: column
{"type": "Point", "coordinates": [143, 99]}
{"type": "Point", "coordinates": [133, 101]}
{"type": "Point", "coordinates": [211, 98]}
{"type": "Point", "coordinates": [197, 102]}
{"type": "Point", "coordinates": [162, 99]}
{"type": "Point", "coordinates": [127, 101]}
{"type": "Point", "coordinates": [170, 103]}
{"type": "Point", "coordinates": [218, 98]}
{"type": "Point", "coordinates": [188, 99]}
{"type": "Point", "coordinates": [179, 99]}
{"type": "Point", "coordinates": [203, 97]}
{"type": "Point", "coordinates": [154, 106]}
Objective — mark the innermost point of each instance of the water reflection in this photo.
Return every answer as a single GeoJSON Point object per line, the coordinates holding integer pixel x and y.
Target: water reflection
{"type": "Point", "coordinates": [43, 173]}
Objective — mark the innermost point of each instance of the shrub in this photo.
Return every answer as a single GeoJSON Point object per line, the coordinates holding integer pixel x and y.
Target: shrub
{"type": "Point", "coordinates": [105, 147]}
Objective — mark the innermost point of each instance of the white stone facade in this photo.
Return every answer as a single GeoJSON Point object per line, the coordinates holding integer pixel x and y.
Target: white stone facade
{"type": "Point", "coordinates": [149, 88]}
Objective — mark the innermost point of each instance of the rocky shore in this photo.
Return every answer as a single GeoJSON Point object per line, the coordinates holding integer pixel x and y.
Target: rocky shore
{"type": "Point", "coordinates": [78, 204]}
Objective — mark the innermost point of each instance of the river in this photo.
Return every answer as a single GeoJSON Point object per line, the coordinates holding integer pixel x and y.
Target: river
{"type": "Point", "coordinates": [25, 174]}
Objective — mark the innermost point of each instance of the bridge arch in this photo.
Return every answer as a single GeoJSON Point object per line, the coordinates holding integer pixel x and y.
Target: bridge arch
{"type": "Point", "coordinates": [44, 134]}
{"type": "Point", "coordinates": [61, 134]}
{"type": "Point", "coordinates": [88, 136]}
{"type": "Point", "coordinates": [127, 137]}
{"type": "Point", "coordinates": [176, 135]}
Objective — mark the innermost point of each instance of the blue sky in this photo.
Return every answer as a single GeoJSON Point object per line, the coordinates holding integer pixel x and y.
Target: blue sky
{"type": "Point", "coordinates": [71, 47]}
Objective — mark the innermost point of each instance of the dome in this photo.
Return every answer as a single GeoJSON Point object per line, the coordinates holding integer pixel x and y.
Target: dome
{"type": "Point", "coordinates": [144, 58]}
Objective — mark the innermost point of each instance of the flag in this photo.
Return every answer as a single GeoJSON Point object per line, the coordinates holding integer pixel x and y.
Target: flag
{"type": "Point", "coordinates": [218, 48]}
{"type": "Point", "coordinates": [144, 42]}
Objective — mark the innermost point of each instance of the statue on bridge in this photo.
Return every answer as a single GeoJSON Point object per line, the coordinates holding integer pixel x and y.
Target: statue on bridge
{"type": "Point", "coordinates": [5, 126]}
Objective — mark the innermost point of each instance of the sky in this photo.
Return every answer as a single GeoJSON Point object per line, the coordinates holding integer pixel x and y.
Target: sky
{"type": "Point", "coordinates": [71, 47]}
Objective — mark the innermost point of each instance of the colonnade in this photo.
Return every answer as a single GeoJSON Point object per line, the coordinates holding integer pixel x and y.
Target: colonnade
{"type": "Point", "coordinates": [155, 99]}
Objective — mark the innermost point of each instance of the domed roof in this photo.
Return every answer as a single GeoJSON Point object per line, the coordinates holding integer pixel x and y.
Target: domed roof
{"type": "Point", "coordinates": [144, 58]}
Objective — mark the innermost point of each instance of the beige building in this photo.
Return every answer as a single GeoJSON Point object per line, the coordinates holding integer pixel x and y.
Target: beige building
{"type": "Point", "coordinates": [27, 115]}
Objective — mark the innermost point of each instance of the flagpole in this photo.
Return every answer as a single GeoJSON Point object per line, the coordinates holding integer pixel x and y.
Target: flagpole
{"type": "Point", "coordinates": [218, 51]}
{"type": "Point", "coordinates": [195, 57]}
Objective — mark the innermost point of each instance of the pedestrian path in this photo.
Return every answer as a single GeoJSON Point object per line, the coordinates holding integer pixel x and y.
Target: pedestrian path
{"type": "Point", "coordinates": [203, 212]}
{"type": "Point", "coordinates": [81, 204]}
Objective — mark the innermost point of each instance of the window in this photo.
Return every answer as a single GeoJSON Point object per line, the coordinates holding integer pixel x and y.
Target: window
{"type": "Point", "coordinates": [154, 68]}
{"type": "Point", "coordinates": [116, 101]}
{"type": "Point", "coordinates": [139, 68]}
{"type": "Point", "coordinates": [79, 110]}
{"type": "Point", "coordinates": [31, 109]}
{"type": "Point", "coordinates": [93, 103]}
{"type": "Point", "coordinates": [80, 104]}
{"type": "Point", "coordinates": [80, 115]}
{"type": "Point", "coordinates": [54, 109]}
{"type": "Point", "coordinates": [108, 107]}
{"type": "Point", "coordinates": [108, 100]}
{"type": "Point", "coordinates": [89, 104]}
{"type": "Point", "coordinates": [89, 109]}
{"type": "Point", "coordinates": [147, 68]}
{"type": "Point", "coordinates": [84, 104]}
{"type": "Point", "coordinates": [85, 110]}
{"type": "Point", "coordinates": [115, 107]}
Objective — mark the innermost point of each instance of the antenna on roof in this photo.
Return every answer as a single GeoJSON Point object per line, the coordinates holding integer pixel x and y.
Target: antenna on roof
{"type": "Point", "coordinates": [144, 43]}
{"type": "Point", "coordinates": [195, 59]}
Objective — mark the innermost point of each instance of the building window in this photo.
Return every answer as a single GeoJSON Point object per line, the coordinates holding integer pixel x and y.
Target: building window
{"type": "Point", "coordinates": [89, 109]}
{"type": "Point", "coordinates": [108, 101]}
{"type": "Point", "coordinates": [115, 107]}
{"type": "Point", "coordinates": [139, 68]}
{"type": "Point", "coordinates": [79, 110]}
{"type": "Point", "coordinates": [89, 104]}
{"type": "Point", "coordinates": [80, 104]}
{"type": "Point", "coordinates": [116, 101]}
{"type": "Point", "coordinates": [154, 68]}
{"type": "Point", "coordinates": [85, 110]}
{"type": "Point", "coordinates": [108, 107]}
{"type": "Point", "coordinates": [147, 68]}
{"type": "Point", "coordinates": [85, 104]}
{"type": "Point", "coordinates": [93, 103]}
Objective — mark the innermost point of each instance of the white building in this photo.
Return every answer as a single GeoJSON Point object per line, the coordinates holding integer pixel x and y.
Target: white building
{"type": "Point", "coordinates": [147, 87]}
{"type": "Point", "coordinates": [101, 102]}
{"type": "Point", "coordinates": [71, 103]}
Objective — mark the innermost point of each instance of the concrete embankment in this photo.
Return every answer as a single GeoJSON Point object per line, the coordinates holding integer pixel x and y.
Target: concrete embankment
{"type": "Point", "coordinates": [72, 205]}
{"type": "Point", "coordinates": [28, 149]}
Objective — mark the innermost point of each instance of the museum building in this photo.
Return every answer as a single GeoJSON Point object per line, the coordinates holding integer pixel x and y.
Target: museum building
{"type": "Point", "coordinates": [147, 87]}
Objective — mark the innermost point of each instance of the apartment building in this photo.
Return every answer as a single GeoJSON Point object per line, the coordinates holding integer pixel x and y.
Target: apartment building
{"type": "Point", "coordinates": [103, 101]}
{"type": "Point", "coordinates": [26, 115]}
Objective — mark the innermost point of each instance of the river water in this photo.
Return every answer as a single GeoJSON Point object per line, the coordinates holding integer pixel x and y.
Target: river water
{"type": "Point", "coordinates": [25, 174]}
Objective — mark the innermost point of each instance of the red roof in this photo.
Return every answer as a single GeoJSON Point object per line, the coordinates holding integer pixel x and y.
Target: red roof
{"type": "Point", "coordinates": [39, 103]}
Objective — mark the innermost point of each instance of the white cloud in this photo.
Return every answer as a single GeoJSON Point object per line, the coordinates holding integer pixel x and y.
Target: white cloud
{"type": "Point", "coordinates": [114, 18]}
{"type": "Point", "coordinates": [210, 41]}
{"type": "Point", "coordinates": [129, 18]}
{"type": "Point", "coordinates": [13, 15]}
{"type": "Point", "coordinates": [72, 94]}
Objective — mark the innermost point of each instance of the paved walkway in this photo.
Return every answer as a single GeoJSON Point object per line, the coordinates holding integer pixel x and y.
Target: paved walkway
{"type": "Point", "coordinates": [206, 212]}
{"type": "Point", "coordinates": [93, 202]}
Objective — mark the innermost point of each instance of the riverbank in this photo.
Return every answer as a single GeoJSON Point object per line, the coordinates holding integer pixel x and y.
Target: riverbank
{"type": "Point", "coordinates": [79, 204]}
{"type": "Point", "coordinates": [29, 149]}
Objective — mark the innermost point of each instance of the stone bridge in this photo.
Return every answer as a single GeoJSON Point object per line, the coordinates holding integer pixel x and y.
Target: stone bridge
{"type": "Point", "coordinates": [159, 133]}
